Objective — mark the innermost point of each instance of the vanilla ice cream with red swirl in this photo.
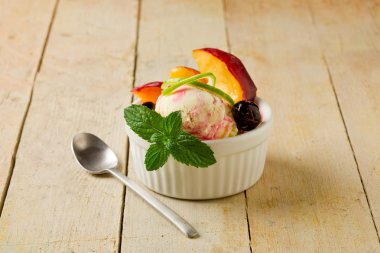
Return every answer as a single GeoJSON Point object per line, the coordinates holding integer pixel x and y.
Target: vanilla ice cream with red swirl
{"type": "Point", "coordinates": [204, 115]}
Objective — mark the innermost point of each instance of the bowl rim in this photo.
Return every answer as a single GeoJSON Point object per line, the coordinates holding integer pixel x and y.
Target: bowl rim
{"type": "Point", "coordinates": [265, 111]}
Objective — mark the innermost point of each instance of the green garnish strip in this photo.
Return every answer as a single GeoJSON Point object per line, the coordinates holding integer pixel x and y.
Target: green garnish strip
{"type": "Point", "coordinates": [169, 82]}
{"type": "Point", "coordinates": [173, 84]}
{"type": "Point", "coordinates": [214, 90]}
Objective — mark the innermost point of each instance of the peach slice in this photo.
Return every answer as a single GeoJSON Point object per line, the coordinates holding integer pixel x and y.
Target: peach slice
{"type": "Point", "coordinates": [231, 75]}
{"type": "Point", "coordinates": [184, 72]}
{"type": "Point", "coordinates": [148, 92]}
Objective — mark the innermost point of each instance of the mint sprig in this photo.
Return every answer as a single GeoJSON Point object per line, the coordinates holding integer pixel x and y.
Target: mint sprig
{"type": "Point", "coordinates": [167, 138]}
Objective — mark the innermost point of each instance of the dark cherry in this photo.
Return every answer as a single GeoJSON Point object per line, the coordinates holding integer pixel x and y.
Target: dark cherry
{"type": "Point", "coordinates": [246, 115]}
{"type": "Point", "coordinates": [150, 105]}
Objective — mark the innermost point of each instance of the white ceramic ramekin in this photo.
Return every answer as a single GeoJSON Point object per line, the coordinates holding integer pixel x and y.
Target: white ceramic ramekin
{"type": "Point", "coordinates": [240, 163]}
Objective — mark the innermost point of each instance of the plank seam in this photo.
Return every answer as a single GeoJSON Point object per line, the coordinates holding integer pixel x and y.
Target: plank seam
{"type": "Point", "coordinates": [45, 44]}
{"type": "Point", "coordinates": [342, 117]}
{"type": "Point", "coordinates": [225, 24]}
{"type": "Point", "coordinates": [121, 226]}
{"type": "Point", "coordinates": [248, 224]}
{"type": "Point", "coordinates": [245, 192]}
{"type": "Point", "coordinates": [19, 135]}
{"type": "Point", "coordinates": [137, 34]}
{"type": "Point", "coordinates": [123, 200]}
{"type": "Point", "coordinates": [351, 146]}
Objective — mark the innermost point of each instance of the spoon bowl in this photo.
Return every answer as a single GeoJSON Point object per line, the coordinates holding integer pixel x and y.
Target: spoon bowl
{"type": "Point", "coordinates": [93, 154]}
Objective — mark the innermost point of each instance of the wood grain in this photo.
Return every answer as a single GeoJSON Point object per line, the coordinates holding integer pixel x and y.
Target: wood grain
{"type": "Point", "coordinates": [351, 45]}
{"type": "Point", "coordinates": [310, 198]}
{"type": "Point", "coordinates": [165, 41]}
{"type": "Point", "coordinates": [23, 28]}
{"type": "Point", "coordinates": [52, 205]}
{"type": "Point", "coordinates": [316, 62]}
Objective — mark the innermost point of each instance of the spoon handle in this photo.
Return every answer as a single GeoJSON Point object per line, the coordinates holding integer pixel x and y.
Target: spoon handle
{"type": "Point", "coordinates": [168, 213]}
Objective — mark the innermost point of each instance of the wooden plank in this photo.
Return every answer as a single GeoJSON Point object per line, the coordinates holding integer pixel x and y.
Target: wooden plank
{"type": "Point", "coordinates": [23, 28]}
{"type": "Point", "coordinates": [351, 46]}
{"type": "Point", "coordinates": [165, 41]}
{"type": "Point", "coordinates": [310, 198]}
{"type": "Point", "coordinates": [52, 204]}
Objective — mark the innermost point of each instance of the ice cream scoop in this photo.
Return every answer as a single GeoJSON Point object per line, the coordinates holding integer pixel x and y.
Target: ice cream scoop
{"type": "Point", "coordinates": [204, 115]}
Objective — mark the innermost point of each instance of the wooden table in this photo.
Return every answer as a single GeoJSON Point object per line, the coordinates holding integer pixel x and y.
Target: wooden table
{"type": "Point", "coordinates": [68, 66]}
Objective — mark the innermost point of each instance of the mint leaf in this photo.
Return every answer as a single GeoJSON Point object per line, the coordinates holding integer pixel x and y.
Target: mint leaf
{"type": "Point", "coordinates": [157, 137]}
{"type": "Point", "coordinates": [191, 151]}
{"type": "Point", "coordinates": [163, 139]}
{"type": "Point", "coordinates": [173, 124]}
{"type": "Point", "coordinates": [143, 121]}
{"type": "Point", "coordinates": [156, 156]}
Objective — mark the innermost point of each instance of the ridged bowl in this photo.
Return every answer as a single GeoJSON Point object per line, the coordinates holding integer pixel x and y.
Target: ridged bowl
{"type": "Point", "coordinates": [240, 163]}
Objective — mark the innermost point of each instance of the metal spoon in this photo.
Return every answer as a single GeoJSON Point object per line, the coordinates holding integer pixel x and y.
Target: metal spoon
{"type": "Point", "coordinates": [96, 157]}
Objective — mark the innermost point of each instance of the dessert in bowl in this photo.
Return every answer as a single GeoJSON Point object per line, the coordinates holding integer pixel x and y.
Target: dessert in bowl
{"type": "Point", "coordinates": [201, 134]}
